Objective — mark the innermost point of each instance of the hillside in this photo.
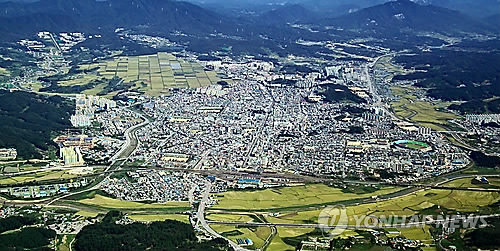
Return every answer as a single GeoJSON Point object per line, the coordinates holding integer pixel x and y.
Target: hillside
{"type": "Point", "coordinates": [29, 121]}
{"type": "Point", "coordinates": [404, 16]}
{"type": "Point", "coordinates": [288, 14]}
{"type": "Point", "coordinates": [90, 15]}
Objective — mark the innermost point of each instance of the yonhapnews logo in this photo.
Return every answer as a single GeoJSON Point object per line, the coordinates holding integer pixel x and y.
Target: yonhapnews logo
{"type": "Point", "coordinates": [333, 220]}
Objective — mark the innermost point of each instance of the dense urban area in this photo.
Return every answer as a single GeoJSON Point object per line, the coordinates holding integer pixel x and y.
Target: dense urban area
{"type": "Point", "coordinates": [147, 142]}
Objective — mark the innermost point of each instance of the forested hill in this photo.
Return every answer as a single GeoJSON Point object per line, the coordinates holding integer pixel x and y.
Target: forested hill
{"type": "Point", "coordinates": [166, 235]}
{"type": "Point", "coordinates": [29, 120]}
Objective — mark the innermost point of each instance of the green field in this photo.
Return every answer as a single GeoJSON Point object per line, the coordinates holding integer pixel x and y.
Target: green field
{"type": "Point", "coordinates": [4, 72]}
{"type": "Point", "coordinates": [424, 113]}
{"type": "Point", "coordinates": [86, 214]}
{"type": "Point", "coordinates": [422, 234]}
{"type": "Point", "coordinates": [110, 203]}
{"type": "Point", "coordinates": [467, 182]}
{"type": "Point", "coordinates": [229, 217]}
{"type": "Point", "coordinates": [258, 235]}
{"type": "Point", "coordinates": [287, 197]}
{"type": "Point", "coordinates": [159, 217]}
{"type": "Point", "coordinates": [39, 176]}
{"type": "Point", "coordinates": [277, 244]}
{"type": "Point", "coordinates": [403, 206]}
{"type": "Point", "coordinates": [63, 242]}
{"type": "Point", "coordinates": [159, 73]}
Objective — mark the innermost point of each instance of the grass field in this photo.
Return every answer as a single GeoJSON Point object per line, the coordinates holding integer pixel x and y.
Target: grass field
{"type": "Point", "coordinates": [40, 176]}
{"type": "Point", "coordinates": [64, 241]}
{"type": "Point", "coordinates": [277, 244]}
{"type": "Point", "coordinates": [414, 233]}
{"type": "Point", "coordinates": [466, 182]}
{"type": "Point", "coordinates": [424, 113]}
{"type": "Point", "coordinates": [4, 72]}
{"type": "Point", "coordinates": [403, 206]}
{"type": "Point", "coordinates": [159, 217]}
{"type": "Point", "coordinates": [106, 202]}
{"type": "Point", "coordinates": [229, 217]}
{"type": "Point", "coordinates": [258, 235]}
{"type": "Point", "coordinates": [299, 196]}
{"type": "Point", "coordinates": [86, 214]}
{"type": "Point", "coordinates": [159, 72]}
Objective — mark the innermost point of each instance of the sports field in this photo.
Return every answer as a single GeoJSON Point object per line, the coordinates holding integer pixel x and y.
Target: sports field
{"type": "Point", "coordinates": [106, 202]}
{"type": "Point", "coordinates": [154, 74]}
{"type": "Point", "coordinates": [411, 144]}
{"type": "Point", "coordinates": [287, 197]}
{"type": "Point", "coordinates": [159, 217]}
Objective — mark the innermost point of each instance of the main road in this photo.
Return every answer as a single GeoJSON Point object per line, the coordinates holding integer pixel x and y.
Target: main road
{"type": "Point", "coordinates": [201, 218]}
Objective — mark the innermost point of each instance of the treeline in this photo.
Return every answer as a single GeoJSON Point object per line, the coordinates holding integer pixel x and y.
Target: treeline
{"type": "Point", "coordinates": [484, 160]}
{"type": "Point", "coordinates": [166, 235]}
{"type": "Point", "coordinates": [478, 106]}
{"type": "Point", "coordinates": [15, 222]}
{"type": "Point", "coordinates": [444, 71]}
{"type": "Point", "coordinates": [30, 238]}
{"type": "Point", "coordinates": [28, 121]}
{"type": "Point", "coordinates": [338, 93]}
{"type": "Point", "coordinates": [485, 238]}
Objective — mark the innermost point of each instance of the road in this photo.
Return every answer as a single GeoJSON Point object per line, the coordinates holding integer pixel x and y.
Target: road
{"type": "Point", "coordinates": [205, 225]}
{"type": "Point", "coordinates": [398, 225]}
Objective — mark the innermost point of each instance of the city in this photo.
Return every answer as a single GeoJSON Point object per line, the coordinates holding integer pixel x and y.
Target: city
{"type": "Point", "coordinates": [302, 134]}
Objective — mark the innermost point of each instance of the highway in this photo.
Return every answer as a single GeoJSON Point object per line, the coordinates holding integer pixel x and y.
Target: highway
{"type": "Point", "coordinates": [398, 225]}
{"type": "Point", "coordinates": [201, 219]}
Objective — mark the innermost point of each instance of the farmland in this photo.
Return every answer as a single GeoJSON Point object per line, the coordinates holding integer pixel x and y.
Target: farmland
{"type": "Point", "coordinates": [39, 176]}
{"type": "Point", "coordinates": [425, 113]}
{"type": "Point", "coordinates": [288, 197]}
{"type": "Point", "coordinates": [152, 74]}
{"type": "Point", "coordinates": [403, 206]}
{"type": "Point", "coordinates": [110, 203]}
{"type": "Point", "coordinates": [159, 217]}
{"type": "Point", "coordinates": [258, 235]}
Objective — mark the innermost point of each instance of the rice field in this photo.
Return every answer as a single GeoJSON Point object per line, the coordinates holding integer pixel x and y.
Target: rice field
{"type": "Point", "coordinates": [159, 217]}
{"type": "Point", "coordinates": [156, 74]}
{"type": "Point", "coordinates": [298, 196]}
{"type": "Point", "coordinates": [258, 235]}
{"type": "Point", "coordinates": [106, 202]}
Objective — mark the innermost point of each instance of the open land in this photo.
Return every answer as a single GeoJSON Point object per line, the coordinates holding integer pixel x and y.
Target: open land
{"type": "Point", "coordinates": [299, 196]}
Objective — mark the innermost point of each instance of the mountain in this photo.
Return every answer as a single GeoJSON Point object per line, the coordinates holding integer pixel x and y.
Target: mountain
{"type": "Point", "coordinates": [91, 15]}
{"type": "Point", "coordinates": [288, 14]}
{"type": "Point", "coordinates": [474, 8]}
{"type": "Point", "coordinates": [493, 21]}
{"type": "Point", "coordinates": [404, 16]}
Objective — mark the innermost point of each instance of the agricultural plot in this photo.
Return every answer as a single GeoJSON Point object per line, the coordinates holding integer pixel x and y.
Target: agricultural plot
{"type": "Point", "coordinates": [258, 235]}
{"type": "Point", "coordinates": [110, 203]}
{"type": "Point", "coordinates": [86, 214]}
{"type": "Point", "coordinates": [427, 114]}
{"type": "Point", "coordinates": [159, 217]}
{"type": "Point", "coordinates": [403, 206]}
{"type": "Point", "coordinates": [40, 176]}
{"type": "Point", "coordinates": [229, 217]}
{"type": "Point", "coordinates": [287, 197]}
{"type": "Point", "coordinates": [156, 74]}
{"type": "Point", "coordinates": [278, 242]}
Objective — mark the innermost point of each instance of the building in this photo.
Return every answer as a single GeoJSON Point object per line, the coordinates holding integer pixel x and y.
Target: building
{"type": "Point", "coordinates": [71, 156]}
{"type": "Point", "coordinates": [82, 141]}
{"type": "Point", "coordinates": [8, 154]}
